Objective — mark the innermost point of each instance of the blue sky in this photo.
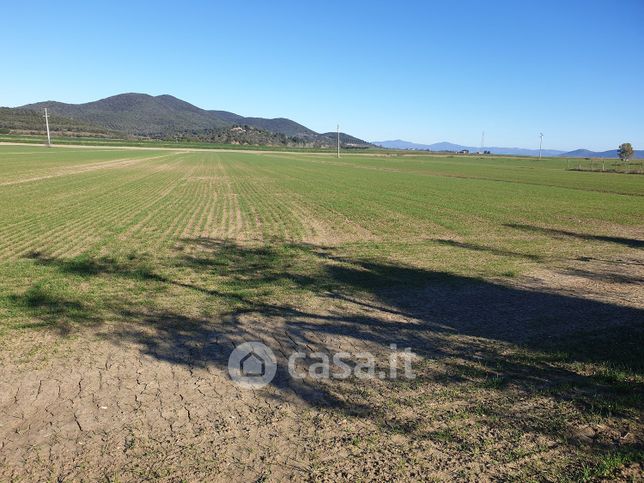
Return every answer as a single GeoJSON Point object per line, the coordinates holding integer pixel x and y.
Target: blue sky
{"type": "Point", "coordinates": [418, 70]}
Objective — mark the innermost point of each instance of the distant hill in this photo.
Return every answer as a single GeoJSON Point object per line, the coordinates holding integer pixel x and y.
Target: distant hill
{"type": "Point", "coordinates": [445, 146]}
{"type": "Point", "coordinates": [32, 122]}
{"type": "Point", "coordinates": [166, 116]}
{"type": "Point", "coordinates": [612, 153]}
{"type": "Point", "coordinates": [345, 139]}
{"type": "Point", "coordinates": [400, 144]}
{"type": "Point", "coordinates": [137, 114]}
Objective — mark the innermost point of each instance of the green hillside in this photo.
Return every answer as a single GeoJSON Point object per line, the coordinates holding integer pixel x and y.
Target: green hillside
{"type": "Point", "coordinates": [166, 117]}
{"type": "Point", "coordinates": [32, 121]}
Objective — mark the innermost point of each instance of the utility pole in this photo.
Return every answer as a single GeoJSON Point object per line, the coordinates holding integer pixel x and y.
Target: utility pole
{"type": "Point", "coordinates": [540, 144]}
{"type": "Point", "coordinates": [46, 116]}
{"type": "Point", "coordinates": [338, 141]}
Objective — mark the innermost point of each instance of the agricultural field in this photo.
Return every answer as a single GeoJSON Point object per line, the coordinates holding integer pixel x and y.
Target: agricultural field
{"type": "Point", "coordinates": [127, 276]}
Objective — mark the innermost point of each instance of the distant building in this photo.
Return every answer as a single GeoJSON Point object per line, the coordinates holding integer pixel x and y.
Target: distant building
{"type": "Point", "coordinates": [464, 151]}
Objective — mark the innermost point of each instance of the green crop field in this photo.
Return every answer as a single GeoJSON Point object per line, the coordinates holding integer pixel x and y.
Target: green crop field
{"type": "Point", "coordinates": [128, 275]}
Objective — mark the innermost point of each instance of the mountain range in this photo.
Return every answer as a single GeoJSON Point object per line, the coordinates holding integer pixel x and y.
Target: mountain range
{"type": "Point", "coordinates": [611, 153]}
{"type": "Point", "coordinates": [445, 146]}
{"type": "Point", "coordinates": [166, 116]}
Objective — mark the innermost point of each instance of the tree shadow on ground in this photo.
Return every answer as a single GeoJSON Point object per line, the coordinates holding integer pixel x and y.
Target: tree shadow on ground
{"type": "Point", "coordinates": [628, 242]}
{"type": "Point", "coordinates": [52, 310]}
{"type": "Point", "coordinates": [483, 248]}
{"type": "Point", "coordinates": [298, 297]}
{"type": "Point", "coordinates": [605, 276]}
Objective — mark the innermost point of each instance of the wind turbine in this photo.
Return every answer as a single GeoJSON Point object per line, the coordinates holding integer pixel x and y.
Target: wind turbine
{"type": "Point", "coordinates": [540, 143]}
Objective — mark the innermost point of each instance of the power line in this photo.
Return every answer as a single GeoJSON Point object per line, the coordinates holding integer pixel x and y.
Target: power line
{"type": "Point", "coordinates": [46, 116]}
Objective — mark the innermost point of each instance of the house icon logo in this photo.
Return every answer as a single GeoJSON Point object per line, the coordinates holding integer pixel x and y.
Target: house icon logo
{"type": "Point", "coordinates": [252, 365]}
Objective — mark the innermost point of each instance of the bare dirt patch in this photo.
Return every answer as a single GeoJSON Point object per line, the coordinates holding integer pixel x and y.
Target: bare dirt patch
{"type": "Point", "coordinates": [148, 396]}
